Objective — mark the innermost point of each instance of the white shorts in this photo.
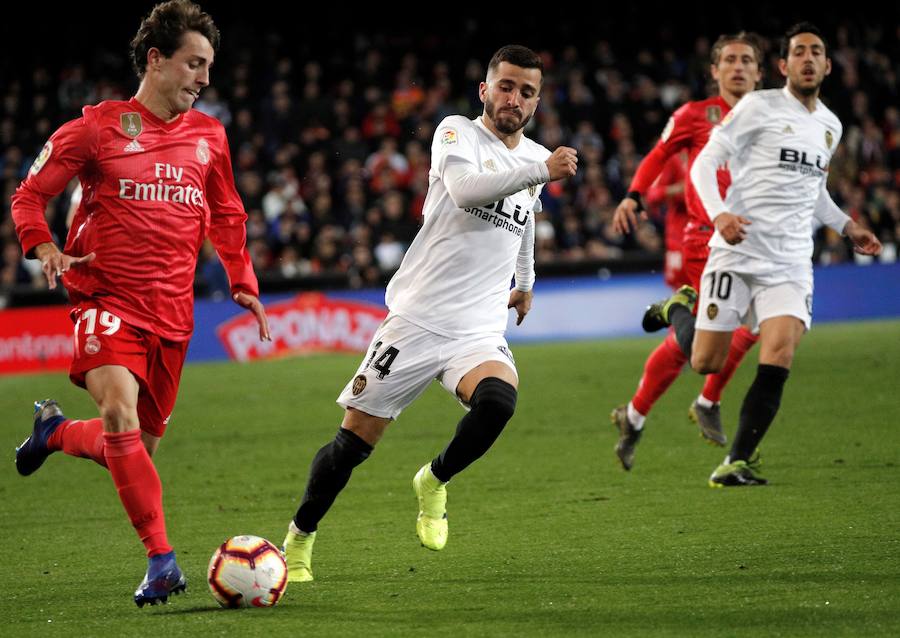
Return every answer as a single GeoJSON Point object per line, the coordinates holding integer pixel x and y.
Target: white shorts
{"type": "Point", "coordinates": [404, 358]}
{"type": "Point", "coordinates": [737, 289]}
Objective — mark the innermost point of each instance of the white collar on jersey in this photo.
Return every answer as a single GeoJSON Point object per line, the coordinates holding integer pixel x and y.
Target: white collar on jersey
{"type": "Point", "coordinates": [794, 100]}
{"type": "Point", "coordinates": [494, 137]}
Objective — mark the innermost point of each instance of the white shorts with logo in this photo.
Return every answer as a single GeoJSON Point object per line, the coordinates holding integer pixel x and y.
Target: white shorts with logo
{"type": "Point", "coordinates": [404, 358]}
{"type": "Point", "coordinates": [736, 289]}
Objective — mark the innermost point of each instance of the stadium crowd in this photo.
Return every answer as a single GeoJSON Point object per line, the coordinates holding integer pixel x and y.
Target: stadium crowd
{"type": "Point", "coordinates": [331, 151]}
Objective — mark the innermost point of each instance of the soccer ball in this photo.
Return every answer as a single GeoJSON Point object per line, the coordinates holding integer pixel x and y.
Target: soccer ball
{"type": "Point", "coordinates": [247, 571]}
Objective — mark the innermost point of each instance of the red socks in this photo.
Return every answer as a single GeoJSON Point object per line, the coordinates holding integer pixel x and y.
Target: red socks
{"type": "Point", "coordinates": [741, 342]}
{"type": "Point", "coordinates": [139, 488]}
{"type": "Point", "coordinates": [661, 369]}
{"type": "Point", "coordinates": [80, 438]}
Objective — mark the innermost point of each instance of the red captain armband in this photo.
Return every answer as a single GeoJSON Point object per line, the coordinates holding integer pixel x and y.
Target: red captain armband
{"type": "Point", "coordinates": [636, 196]}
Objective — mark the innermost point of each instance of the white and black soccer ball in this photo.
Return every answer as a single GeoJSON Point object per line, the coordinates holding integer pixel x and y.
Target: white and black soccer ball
{"type": "Point", "coordinates": [247, 571]}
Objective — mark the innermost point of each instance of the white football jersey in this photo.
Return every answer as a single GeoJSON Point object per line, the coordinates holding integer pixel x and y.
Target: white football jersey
{"type": "Point", "coordinates": [778, 154]}
{"type": "Point", "coordinates": [455, 278]}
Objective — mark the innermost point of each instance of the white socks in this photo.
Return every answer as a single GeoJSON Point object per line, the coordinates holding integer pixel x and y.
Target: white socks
{"type": "Point", "coordinates": [635, 418]}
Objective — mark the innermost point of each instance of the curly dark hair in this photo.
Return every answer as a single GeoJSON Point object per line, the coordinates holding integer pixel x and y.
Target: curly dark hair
{"type": "Point", "coordinates": [164, 27]}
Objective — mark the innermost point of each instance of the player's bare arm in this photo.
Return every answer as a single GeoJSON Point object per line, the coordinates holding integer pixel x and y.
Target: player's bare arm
{"type": "Point", "coordinates": [55, 263]}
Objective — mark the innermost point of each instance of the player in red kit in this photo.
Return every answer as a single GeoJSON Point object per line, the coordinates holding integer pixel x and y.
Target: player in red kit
{"type": "Point", "coordinates": [735, 68]}
{"type": "Point", "coordinates": [157, 179]}
{"type": "Point", "coordinates": [666, 196]}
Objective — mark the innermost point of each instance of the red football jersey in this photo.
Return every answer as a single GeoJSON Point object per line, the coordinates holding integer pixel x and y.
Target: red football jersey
{"type": "Point", "coordinates": [674, 172]}
{"type": "Point", "coordinates": [152, 191]}
{"type": "Point", "coordinates": [688, 129]}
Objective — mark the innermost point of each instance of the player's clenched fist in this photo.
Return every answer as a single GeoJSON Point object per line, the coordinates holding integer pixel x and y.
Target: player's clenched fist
{"type": "Point", "coordinates": [562, 163]}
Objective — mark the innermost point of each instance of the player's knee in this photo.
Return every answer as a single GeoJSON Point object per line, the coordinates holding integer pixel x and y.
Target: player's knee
{"type": "Point", "coordinates": [706, 362]}
{"type": "Point", "coordinates": [782, 355]}
{"type": "Point", "coordinates": [118, 415]}
{"type": "Point", "coordinates": [495, 400]}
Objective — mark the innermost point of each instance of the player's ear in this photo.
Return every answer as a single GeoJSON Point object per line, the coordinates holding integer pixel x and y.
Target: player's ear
{"type": "Point", "coordinates": [827, 66]}
{"type": "Point", "coordinates": [482, 92]}
{"type": "Point", "coordinates": [154, 58]}
{"type": "Point", "coordinates": [782, 66]}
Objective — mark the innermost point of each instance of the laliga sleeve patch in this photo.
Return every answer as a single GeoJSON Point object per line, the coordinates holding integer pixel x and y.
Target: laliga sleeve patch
{"type": "Point", "coordinates": [42, 158]}
{"type": "Point", "coordinates": [449, 137]}
{"type": "Point", "coordinates": [670, 126]}
{"type": "Point", "coordinates": [728, 118]}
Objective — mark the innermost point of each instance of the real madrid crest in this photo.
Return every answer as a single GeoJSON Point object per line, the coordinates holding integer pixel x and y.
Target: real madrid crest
{"type": "Point", "coordinates": [131, 124]}
{"type": "Point", "coordinates": [829, 138]}
{"type": "Point", "coordinates": [712, 311]}
{"type": "Point", "coordinates": [203, 151]}
{"type": "Point", "coordinates": [92, 345]}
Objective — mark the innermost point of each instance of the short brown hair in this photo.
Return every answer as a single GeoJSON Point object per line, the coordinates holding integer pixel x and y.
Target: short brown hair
{"type": "Point", "coordinates": [518, 55]}
{"type": "Point", "coordinates": [164, 27]}
{"type": "Point", "coordinates": [741, 37]}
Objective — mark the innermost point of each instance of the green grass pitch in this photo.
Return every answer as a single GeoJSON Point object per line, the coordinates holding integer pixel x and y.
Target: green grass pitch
{"type": "Point", "coordinates": [548, 536]}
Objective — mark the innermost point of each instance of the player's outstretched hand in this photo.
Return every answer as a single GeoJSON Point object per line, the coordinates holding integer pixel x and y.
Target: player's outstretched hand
{"type": "Point", "coordinates": [625, 219]}
{"type": "Point", "coordinates": [254, 305]}
{"type": "Point", "coordinates": [562, 163]}
{"type": "Point", "coordinates": [521, 301]}
{"type": "Point", "coordinates": [864, 240]}
{"type": "Point", "coordinates": [56, 263]}
{"type": "Point", "coordinates": [731, 227]}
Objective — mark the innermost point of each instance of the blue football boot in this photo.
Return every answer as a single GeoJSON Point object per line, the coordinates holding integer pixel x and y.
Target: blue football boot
{"type": "Point", "coordinates": [163, 577]}
{"type": "Point", "coordinates": [33, 451]}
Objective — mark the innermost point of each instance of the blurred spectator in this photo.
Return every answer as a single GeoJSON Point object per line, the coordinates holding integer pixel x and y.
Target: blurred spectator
{"type": "Point", "coordinates": [332, 154]}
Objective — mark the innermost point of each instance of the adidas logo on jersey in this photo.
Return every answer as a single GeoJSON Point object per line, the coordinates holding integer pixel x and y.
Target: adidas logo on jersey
{"type": "Point", "coordinates": [788, 130]}
{"type": "Point", "coordinates": [134, 147]}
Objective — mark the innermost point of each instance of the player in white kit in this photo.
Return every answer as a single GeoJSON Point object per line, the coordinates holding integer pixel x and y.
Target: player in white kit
{"type": "Point", "coordinates": [778, 144]}
{"type": "Point", "coordinates": [448, 302]}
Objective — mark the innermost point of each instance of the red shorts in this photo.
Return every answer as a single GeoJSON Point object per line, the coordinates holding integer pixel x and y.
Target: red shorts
{"type": "Point", "coordinates": [102, 339]}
